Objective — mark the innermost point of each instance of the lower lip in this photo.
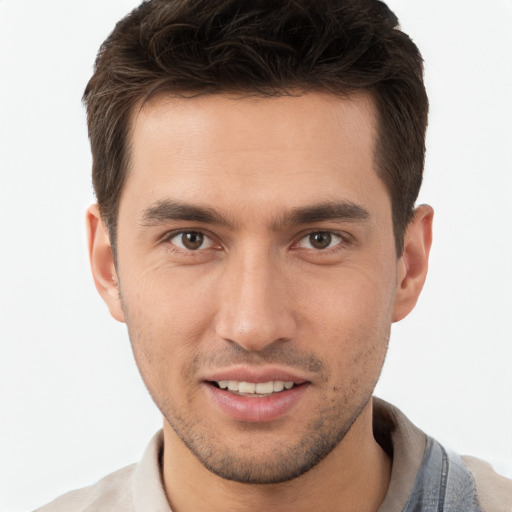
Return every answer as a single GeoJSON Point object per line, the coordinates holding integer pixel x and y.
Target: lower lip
{"type": "Point", "coordinates": [256, 409]}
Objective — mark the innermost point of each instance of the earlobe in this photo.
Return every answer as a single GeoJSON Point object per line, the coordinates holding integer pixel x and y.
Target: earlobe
{"type": "Point", "coordinates": [102, 262]}
{"type": "Point", "coordinates": [413, 264]}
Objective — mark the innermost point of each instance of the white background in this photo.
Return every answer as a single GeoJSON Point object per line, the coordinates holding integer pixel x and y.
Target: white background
{"type": "Point", "coordinates": [72, 406]}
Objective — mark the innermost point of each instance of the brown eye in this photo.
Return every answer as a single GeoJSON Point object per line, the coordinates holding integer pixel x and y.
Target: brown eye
{"type": "Point", "coordinates": [191, 240]}
{"type": "Point", "coordinates": [320, 240]}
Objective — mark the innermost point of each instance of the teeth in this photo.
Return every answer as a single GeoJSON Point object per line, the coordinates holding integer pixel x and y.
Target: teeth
{"type": "Point", "coordinates": [263, 388]}
{"type": "Point", "coordinates": [278, 386]}
{"type": "Point", "coordinates": [250, 388]}
{"type": "Point", "coordinates": [247, 387]}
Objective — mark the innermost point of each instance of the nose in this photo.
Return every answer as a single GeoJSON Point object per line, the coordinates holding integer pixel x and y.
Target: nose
{"type": "Point", "coordinates": [256, 303]}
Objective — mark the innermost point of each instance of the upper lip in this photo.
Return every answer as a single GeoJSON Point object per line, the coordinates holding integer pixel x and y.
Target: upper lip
{"type": "Point", "coordinates": [255, 374]}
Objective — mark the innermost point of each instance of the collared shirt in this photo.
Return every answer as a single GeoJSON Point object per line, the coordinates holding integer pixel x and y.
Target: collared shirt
{"type": "Point", "coordinates": [424, 477]}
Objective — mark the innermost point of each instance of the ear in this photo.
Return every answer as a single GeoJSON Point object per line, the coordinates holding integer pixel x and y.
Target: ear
{"type": "Point", "coordinates": [413, 264]}
{"type": "Point", "coordinates": [102, 262]}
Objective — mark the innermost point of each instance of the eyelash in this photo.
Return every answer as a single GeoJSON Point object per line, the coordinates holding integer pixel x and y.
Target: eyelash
{"type": "Point", "coordinates": [343, 240]}
{"type": "Point", "coordinates": [166, 239]}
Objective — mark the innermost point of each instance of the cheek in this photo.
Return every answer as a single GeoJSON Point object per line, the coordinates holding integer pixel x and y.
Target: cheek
{"type": "Point", "coordinates": [172, 300]}
{"type": "Point", "coordinates": [166, 319]}
{"type": "Point", "coordinates": [351, 300]}
{"type": "Point", "coordinates": [352, 322]}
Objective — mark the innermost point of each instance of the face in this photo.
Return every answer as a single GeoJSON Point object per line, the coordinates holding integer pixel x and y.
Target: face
{"type": "Point", "coordinates": [257, 274]}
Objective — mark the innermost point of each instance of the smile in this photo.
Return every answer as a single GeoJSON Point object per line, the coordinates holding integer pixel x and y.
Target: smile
{"type": "Point", "coordinates": [242, 400]}
{"type": "Point", "coordinates": [253, 389]}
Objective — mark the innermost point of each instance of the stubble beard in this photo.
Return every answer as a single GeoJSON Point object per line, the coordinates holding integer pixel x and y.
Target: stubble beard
{"type": "Point", "coordinates": [279, 462]}
{"type": "Point", "coordinates": [285, 462]}
{"type": "Point", "coordinates": [333, 420]}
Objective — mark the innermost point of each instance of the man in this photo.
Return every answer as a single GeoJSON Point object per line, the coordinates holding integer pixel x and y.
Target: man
{"type": "Point", "coordinates": [256, 166]}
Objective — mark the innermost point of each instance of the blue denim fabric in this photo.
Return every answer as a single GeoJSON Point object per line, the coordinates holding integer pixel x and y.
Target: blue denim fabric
{"type": "Point", "coordinates": [443, 484]}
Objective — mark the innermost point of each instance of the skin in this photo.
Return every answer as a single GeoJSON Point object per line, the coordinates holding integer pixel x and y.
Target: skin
{"type": "Point", "coordinates": [258, 291]}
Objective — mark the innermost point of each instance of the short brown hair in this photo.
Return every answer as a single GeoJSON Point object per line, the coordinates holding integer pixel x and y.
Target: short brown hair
{"type": "Point", "coordinates": [264, 47]}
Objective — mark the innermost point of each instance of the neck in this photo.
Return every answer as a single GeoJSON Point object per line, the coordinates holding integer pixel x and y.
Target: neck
{"type": "Point", "coordinates": [354, 477]}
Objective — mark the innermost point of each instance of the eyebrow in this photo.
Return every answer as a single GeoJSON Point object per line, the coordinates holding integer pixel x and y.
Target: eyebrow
{"type": "Point", "coordinates": [169, 211]}
{"type": "Point", "coordinates": [331, 210]}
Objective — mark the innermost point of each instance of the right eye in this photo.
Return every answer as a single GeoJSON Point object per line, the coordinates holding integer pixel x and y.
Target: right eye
{"type": "Point", "coordinates": [191, 241]}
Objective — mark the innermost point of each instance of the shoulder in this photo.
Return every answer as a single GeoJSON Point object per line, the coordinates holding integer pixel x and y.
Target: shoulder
{"type": "Point", "coordinates": [113, 492]}
{"type": "Point", "coordinates": [494, 491]}
{"type": "Point", "coordinates": [426, 476]}
{"type": "Point", "coordinates": [134, 488]}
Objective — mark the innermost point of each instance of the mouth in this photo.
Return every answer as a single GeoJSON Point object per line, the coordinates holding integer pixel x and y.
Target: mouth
{"type": "Point", "coordinates": [256, 402]}
{"type": "Point", "coordinates": [254, 389]}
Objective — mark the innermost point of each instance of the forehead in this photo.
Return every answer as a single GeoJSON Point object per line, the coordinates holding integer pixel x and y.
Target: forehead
{"type": "Point", "coordinates": [221, 150]}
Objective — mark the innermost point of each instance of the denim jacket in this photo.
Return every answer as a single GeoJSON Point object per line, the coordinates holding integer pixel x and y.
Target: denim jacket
{"type": "Point", "coordinates": [425, 477]}
{"type": "Point", "coordinates": [443, 483]}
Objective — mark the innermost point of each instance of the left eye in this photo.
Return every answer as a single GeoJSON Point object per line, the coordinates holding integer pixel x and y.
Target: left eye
{"type": "Point", "coordinates": [191, 240]}
{"type": "Point", "coordinates": [320, 240]}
